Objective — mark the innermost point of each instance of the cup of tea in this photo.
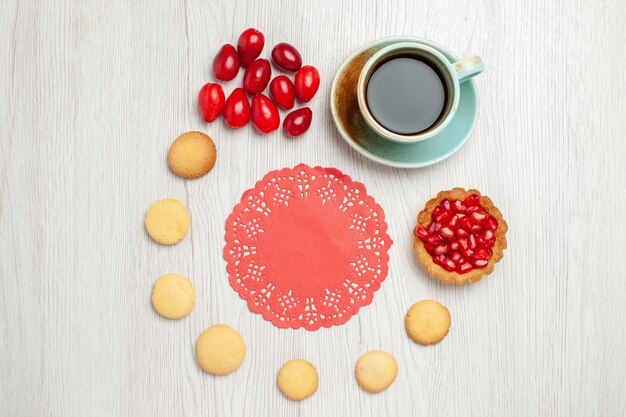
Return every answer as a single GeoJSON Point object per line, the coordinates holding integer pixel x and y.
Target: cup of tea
{"type": "Point", "coordinates": [409, 92]}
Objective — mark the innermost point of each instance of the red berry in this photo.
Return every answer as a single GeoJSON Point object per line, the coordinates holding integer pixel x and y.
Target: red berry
{"type": "Point", "coordinates": [226, 63]}
{"type": "Point", "coordinates": [286, 57]}
{"type": "Point", "coordinates": [211, 101]}
{"type": "Point", "coordinates": [237, 109]}
{"type": "Point", "coordinates": [307, 82]}
{"type": "Point", "coordinates": [264, 114]}
{"type": "Point", "coordinates": [250, 45]}
{"type": "Point", "coordinates": [283, 92]}
{"type": "Point", "coordinates": [257, 76]}
{"type": "Point", "coordinates": [298, 121]}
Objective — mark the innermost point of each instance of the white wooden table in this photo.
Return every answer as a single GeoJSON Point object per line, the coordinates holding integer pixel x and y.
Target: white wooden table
{"type": "Point", "coordinates": [93, 94]}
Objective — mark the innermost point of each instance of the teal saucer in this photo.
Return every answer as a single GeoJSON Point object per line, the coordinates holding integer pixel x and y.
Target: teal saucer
{"type": "Point", "coordinates": [358, 135]}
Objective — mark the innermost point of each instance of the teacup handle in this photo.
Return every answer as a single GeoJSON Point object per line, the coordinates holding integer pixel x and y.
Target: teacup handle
{"type": "Point", "coordinates": [468, 68]}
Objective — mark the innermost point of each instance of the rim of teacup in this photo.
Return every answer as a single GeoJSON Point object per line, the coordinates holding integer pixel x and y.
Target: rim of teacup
{"type": "Point", "coordinates": [398, 48]}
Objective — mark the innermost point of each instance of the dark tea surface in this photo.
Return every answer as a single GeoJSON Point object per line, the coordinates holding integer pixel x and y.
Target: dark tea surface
{"type": "Point", "coordinates": [405, 95]}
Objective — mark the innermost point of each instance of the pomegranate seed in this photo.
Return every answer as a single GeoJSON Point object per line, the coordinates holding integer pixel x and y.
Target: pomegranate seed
{"type": "Point", "coordinates": [421, 232]}
{"type": "Point", "coordinates": [446, 232]}
{"type": "Point", "coordinates": [472, 200]}
{"type": "Point", "coordinates": [462, 232]}
{"type": "Point", "coordinates": [431, 228]}
{"type": "Point", "coordinates": [437, 211]}
{"type": "Point", "coordinates": [437, 226]}
{"type": "Point", "coordinates": [473, 209]}
{"type": "Point", "coordinates": [488, 235]}
{"type": "Point", "coordinates": [442, 218]}
{"type": "Point", "coordinates": [482, 253]}
{"type": "Point", "coordinates": [433, 239]}
{"type": "Point", "coordinates": [479, 217]}
{"type": "Point", "coordinates": [453, 222]}
{"type": "Point", "coordinates": [463, 243]}
{"type": "Point", "coordinates": [455, 256]}
{"type": "Point", "coordinates": [449, 264]}
{"type": "Point", "coordinates": [469, 254]}
{"type": "Point", "coordinates": [445, 203]}
{"type": "Point", "coordinates": [491, 223]}
{"type": "Point", "coordinates": [455, 245]}
{"type": "Point", "coordinates": [480, 241]}
{"type": "Point", "coordinates": [476, 228]}
{"type": "Point", "coordinates": [465, 223]}
{"type": "Point", "coordinates": [488, 244]}
{"type": "Point", "coordinates": [472, 242]}
{"type": "Point", "coordinates": [464, 268]}
{"type": "Point", "coordinates": [458, 206]}
{"type": "Point", "coordinates": [479, 263]}
{"type": "Point", "coordinates": [439, 259]}
{"type": "Point", "coordinates": [441, 249]}
{"type": "Point", "coordinates": [429, 248]}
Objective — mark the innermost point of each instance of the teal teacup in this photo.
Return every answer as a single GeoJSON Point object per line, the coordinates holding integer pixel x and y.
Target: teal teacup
{"type": "Point", "coordinates": [445, 102]}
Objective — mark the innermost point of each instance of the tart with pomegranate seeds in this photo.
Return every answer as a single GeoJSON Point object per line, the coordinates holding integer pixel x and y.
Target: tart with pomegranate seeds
{"type": "Point", "coordinates": [460, 235]}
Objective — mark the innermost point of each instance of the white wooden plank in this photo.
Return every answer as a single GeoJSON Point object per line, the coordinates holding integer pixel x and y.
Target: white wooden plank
{"type": "Point", "coordinates": [93, 95]}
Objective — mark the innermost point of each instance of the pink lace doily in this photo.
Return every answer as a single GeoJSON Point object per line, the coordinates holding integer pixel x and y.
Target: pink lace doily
{"type": "Point", "coordinates": [307, 247]}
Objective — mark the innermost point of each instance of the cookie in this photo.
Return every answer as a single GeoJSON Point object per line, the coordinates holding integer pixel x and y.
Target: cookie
{"type": "Point", "coordinates": [173, 296]}
{"type": "Point", "coordinates": [427, 322]}
{"type": "Point", "coordinates": [298, 379]}
{"type": "Point", "coordinates": [376, 370]}
{"type": "Point", "coordinates": [167, 221]}
{"type": "Point", "coordinates": [192, 155]}
{"type": "Point", "coordinates": [220, 350]}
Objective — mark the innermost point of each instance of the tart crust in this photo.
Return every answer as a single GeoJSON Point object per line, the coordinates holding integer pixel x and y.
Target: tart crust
{"type": "Point", "coordinates": [425, 258]}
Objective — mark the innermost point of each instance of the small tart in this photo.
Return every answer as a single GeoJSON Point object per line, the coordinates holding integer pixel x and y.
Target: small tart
{"type": "Point", "coordinates": [460, 236]}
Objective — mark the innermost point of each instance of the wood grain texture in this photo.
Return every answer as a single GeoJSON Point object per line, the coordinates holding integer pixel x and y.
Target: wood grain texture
{"type": "Point", "coordinates": [93, 93]}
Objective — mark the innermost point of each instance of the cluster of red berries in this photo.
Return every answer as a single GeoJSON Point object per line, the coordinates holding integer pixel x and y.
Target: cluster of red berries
{"type": "Point", "coordinates": [237, 110]}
